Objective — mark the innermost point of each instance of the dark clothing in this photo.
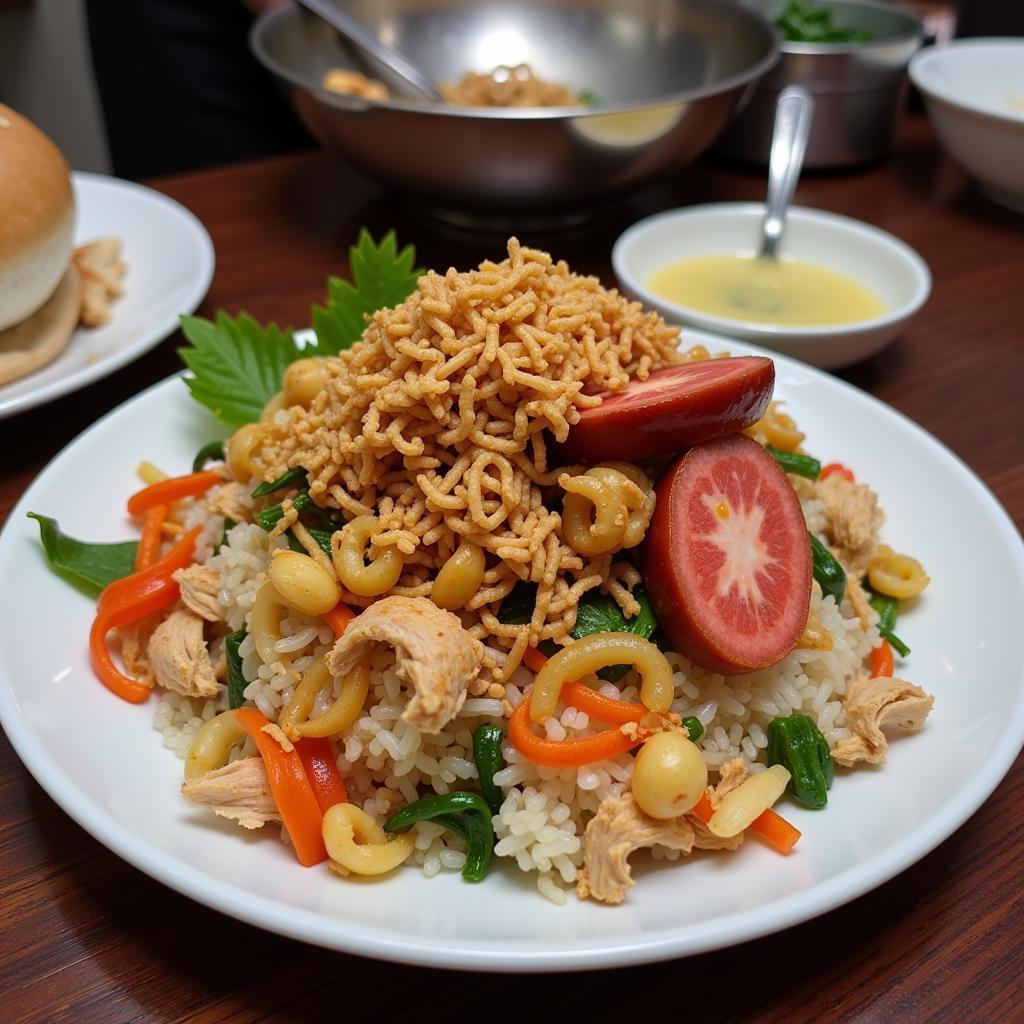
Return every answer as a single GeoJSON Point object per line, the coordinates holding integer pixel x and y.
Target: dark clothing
{"type": "Point", "coordinates": [180, 89]}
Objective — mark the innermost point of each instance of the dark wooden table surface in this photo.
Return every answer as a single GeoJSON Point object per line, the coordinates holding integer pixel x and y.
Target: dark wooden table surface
{"type": "Point", "coordinates": [86, 937]}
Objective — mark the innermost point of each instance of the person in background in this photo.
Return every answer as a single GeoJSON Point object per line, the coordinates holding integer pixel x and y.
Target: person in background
{"type": "Point", "coordinates": [180, 89]}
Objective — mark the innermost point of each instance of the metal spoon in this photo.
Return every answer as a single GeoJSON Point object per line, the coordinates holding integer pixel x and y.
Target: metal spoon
{"type": "Point", "coordinates": [360, 36]}
{"type": "Point", "coordinates": [793, 114]}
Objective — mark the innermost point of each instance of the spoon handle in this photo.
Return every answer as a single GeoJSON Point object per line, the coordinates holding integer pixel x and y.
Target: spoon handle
{"type": "Point", "coordinates": [359, 35]}
{"type": "Point", "coordinates": [793, 113]}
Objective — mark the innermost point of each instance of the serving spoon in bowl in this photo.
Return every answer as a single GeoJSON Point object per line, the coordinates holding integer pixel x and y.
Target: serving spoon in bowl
{"type": "Point", "coordinates": [362, 38]}
{"type": "Point", "coordinates": [794, 112]}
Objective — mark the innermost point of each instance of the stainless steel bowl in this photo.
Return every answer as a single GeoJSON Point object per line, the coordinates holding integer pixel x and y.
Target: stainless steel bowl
{"type": "Point", "coordinates": [668, 74]}
{"type": "Point", "coordinates": [858, 89]}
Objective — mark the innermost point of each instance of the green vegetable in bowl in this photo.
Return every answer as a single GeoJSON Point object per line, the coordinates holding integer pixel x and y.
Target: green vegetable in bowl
{"type": "Point", "coordinates": [94, 565]}
{"type": "Point", "coordinates": [797, 744]}
{"type": "Point", "coordinates": [293, 478]}
{"type": "Point", "coordinates": [804, 22]}
{"type": "Point", "coordinates": [212, 451]}
{"type": "Point", "coordinates": [791, 462]}
{"type": "Point", "coordinates": [236, 681]}
{"type": "Point", "coordinates": [487, 740]}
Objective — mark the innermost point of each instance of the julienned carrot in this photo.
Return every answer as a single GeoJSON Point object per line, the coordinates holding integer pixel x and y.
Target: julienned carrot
{"type": "Point", "coordinates": [339, 617]}
{"type": "Point", "coordinates": [152, 534]}
{"type": "Point", "coordinates": [836, 469]}
{"type": "Point", "coordinates": [769, 826]}
{"type": "Point", "coordinates": [882, 663]}
{"type": "Point", "coordinates": [173, 489]}
{"type": "Point", "coordinates": [565, 753]}
{"type": "Point", "coordinates": [128, 600]}
{"type": "Point", "coordinates": [322, 772]}
{"type": "Point", "coordinates": [291, 789]}
{"type": "Point", "coordinates": [579, 695]}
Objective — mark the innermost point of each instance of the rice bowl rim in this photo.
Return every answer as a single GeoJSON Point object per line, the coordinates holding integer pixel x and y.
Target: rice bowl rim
{"type": "Point", "coordinates": [553, 951]}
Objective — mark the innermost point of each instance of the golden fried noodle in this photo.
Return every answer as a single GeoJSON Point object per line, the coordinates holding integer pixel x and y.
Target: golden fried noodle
{"type": "Point", "coordinates": [437, 425]}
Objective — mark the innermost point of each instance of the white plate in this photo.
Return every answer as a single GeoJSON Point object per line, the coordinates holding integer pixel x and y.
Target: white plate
{"type": "Point", "coordinates": [170, 264]}
{"type": "Point", "coordinates": [100, 759]}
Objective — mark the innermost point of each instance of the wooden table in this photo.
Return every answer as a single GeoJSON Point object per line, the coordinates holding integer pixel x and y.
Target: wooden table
{"type": "Point", "coordinates": [86, 937]}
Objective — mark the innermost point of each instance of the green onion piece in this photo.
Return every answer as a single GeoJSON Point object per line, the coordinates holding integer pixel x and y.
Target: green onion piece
{"type": "Point", "coordinates": [471, 818]}
{"type": "Point", "coordinates": [270, 517]}
{"type": "Point", "coordinates": [293, 478]}
{"type": "Point", "coordinates": [901, 648]}
{"type": "Point", "coordinates": [229, 523]}
{"type": "Point", "coordinates": [322, 537]}
{"type": "Point", "coordinates": [694, 728]}
{"type": "Point", "coordinates": [212, 451]}
{"type": "Point", "coordinates": [827, 571]}
{"type": "Point", "coordinates": [487, 740]}
{"type": "Point", "coordinates": [236, 681]}
{"type": "Point", "coordinates": [801, 465]}
{"type": "Point", "coordinates": [798, 745]}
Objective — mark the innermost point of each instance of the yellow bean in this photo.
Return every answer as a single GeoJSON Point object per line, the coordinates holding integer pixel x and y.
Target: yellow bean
{"type": "Point", "coordinates": [594, 516]}
{"type": "Point", "coordinates": [597, 651]}
{"type": "Point", "coordinates": [273, 407]}
{"type": "Point", "coordinates": [150, 474]}
{"type": "Point", "coordinates": [694, 354]}
{"type": "Point", "coordinates": [669, 775]}
{"type": "Point", "coordinates": [738, 809]}
{"type": "Point", "coordinates": [304, 380]}
{"type": "Point", "coordinates": [460, 577]}
{"type": "Point", "coordinates": [897, 575]}
{"type": "Point", "coordinates": [239, 451]}
{"type": "Point", "coordinates": [212, 745]}
{"type": "Point", "coordinates": [295, 718]}
{"type": "Point", "coordinates": [303, 584]}
{"type": "Point", "coordinates": [349, 553]}
{"type": "Point", "coordinates": [356, 842]}
{"type": "Point", "coordinates": [777, 429]}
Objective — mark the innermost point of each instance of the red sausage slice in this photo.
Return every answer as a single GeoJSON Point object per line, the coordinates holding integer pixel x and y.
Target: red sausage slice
{"type": "Point", "coordinates": [673, 409]}
{"type": "Point", "coordinates": [727, 563]}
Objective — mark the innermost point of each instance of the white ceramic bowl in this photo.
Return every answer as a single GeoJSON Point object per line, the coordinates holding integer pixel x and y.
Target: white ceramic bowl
{"type": "Point", "coordinates": [881, 262]}
{"type": "Point", "coordinates": [974, 91]}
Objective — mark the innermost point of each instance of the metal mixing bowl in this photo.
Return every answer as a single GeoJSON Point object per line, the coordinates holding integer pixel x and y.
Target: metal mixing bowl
{"type": "Point", "coordinates": [858, 89]}
{"type": "Point", "coordinates": [668, 75]}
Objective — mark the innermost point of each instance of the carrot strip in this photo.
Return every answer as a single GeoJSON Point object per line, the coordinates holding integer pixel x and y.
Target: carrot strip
{"type": "Point", "coordinates": [565, 753]}
{"type": "Point", "coordinates": [339, 617]}
{"type": "Point", "coordinates": [322, 772]}
{"type": "Point", "coordinates": [881, 662]}
{"type": "Point", "coordinates": [533, 659]}
{"type": "Point", "coordinates": [152, 534]}
{"type": "Point", "coordinates": [128, 600]}
{"type": "Point", "coordinates": [836, 469]}
{"type": "Point", "coordinates": [173, 489]}
{"type": "Point", "coordinates": [769, 826]}
{"type": "Point", "coordinates": [291, 789]}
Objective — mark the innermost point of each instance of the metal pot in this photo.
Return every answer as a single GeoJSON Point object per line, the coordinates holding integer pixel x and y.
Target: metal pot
{"type": "Point", "coordinates": [858, 89]}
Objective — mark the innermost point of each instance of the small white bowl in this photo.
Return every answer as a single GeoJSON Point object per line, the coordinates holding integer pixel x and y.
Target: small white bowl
{"type": "Point", "coordinates": [889, 267]}
{"type": "Point", "coordinates": [974, 92]}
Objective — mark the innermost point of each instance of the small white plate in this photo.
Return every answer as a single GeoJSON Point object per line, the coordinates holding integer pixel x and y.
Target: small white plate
{"type": "Point", "coordinates": [878, 260]}
{"type": "Point", "coordinates": [170, 265]}
{"type": "Point", "coordinates": [101, 760]}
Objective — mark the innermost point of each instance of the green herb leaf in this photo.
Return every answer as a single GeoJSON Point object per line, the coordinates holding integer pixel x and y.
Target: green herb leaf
{"type": "Point", "coordinates": [95, 565]}
{"type": "Point", "coordinates": [383, 277]}
{"type": "Point", "coordinates": [237, 365]}
{"type": "Point", "coordinates": [598, 613]}
{"type": "Point", "coordinates": [236, 681]}
{"type": "Point", "coordinates": [292, 478]}
{"type": "Point", "coordinates": [517, 608]}
{"type": "Point", "coordinates": [588, 99]}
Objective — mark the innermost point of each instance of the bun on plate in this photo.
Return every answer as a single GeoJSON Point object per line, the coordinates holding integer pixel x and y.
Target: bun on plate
{"type": "Point", "coordinates": [38, 285]}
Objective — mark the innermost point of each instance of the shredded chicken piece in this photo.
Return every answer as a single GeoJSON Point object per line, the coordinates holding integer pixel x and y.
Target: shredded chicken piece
{"type": "Point", "coordinates": [854, 519]}
{"type": "Point", "coordinates": [199, 588]}
{"type": "Point", "coordinates": [731, 776]}
{"type": "Point", "coordinates": [100, 269]}
{"type": "Point", "coordinates": [619, 828]}
{"type": "Point", "coordinates": [872, 703]}
{"type": "Point", "coordinates": [433, 654]}
{"type": "Point", "coordinates": [229, 501]}
{"type": "Point", "coordinates": [178, 654]}
{"type": "Point", "coordinates": [239, 791]}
